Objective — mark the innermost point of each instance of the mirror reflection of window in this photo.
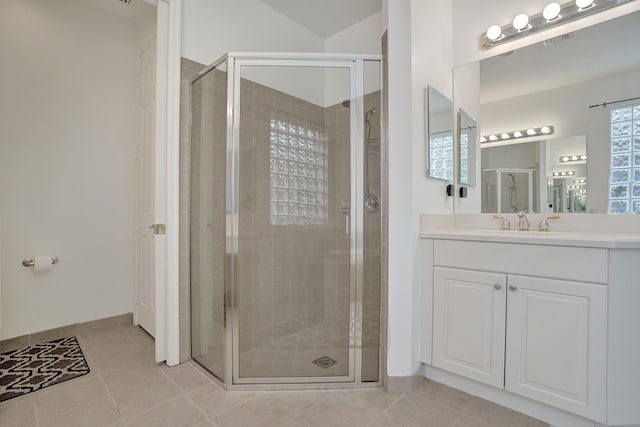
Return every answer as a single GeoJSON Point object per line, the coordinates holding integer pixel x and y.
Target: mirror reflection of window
{"type": "Point", "coordinates": [466, 147]}
{"type": "Point", "coordinates": [624, 181]}
{"type": "Point", "coordinates": [440, 141]}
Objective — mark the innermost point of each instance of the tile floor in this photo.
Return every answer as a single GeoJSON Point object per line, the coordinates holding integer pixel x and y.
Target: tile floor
{"type": "Point", "coordinates": [127, 388]}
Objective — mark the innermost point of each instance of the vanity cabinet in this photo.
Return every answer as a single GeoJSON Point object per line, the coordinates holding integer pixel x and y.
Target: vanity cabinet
{"type": "Point", "coordinates": [537, 337]}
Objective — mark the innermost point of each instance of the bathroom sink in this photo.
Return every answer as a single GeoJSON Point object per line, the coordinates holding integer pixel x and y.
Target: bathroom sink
{"type": "Point", "coordinates": [557, 238]}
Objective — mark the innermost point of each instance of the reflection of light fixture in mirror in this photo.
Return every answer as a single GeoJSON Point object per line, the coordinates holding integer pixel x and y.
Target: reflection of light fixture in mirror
{"type": "Point", "coordinates": [522, 133]}
{"type": "Point", "coordinates": [573, 158]}
{"type": "Point", "coordinates": [580, 181]}
{"type": "Point", "coordinates": [564, 173]}
{"type": "Point", "coordinates": [552, 15]}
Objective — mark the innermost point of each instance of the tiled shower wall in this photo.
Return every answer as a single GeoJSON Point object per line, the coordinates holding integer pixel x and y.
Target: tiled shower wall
{"type": "Point", "coordinates": [287, 281]}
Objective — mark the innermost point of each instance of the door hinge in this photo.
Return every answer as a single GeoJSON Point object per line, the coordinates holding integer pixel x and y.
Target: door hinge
{"type": "Point", "coordinates": [159, 228]}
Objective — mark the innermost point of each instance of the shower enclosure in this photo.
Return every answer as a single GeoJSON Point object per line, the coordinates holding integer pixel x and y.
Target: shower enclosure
{"type": "Point", "coordinates": [285, 219]}
{"type": "Point", "coordinates": [509, 190]}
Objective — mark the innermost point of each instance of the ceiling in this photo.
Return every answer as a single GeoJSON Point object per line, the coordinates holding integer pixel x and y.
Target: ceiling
{"type": "Point", "coordinates": [326, 17]}
{"type": "Point", "coordinates": [597, 51]}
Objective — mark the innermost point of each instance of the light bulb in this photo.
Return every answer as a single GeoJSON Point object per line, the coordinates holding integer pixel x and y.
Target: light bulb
{"type": "Point", "coordinates": [520, 22]}
{"type": "Point", "coordinates": [551, 11]}
{"type": "Point", "coordinates": [556, 174]}
{"type": "Point", "coordinates": [531, 132]}
{"type": "Point", "coordinates": [517, 134]}
{"type": "Point", "coordinates": [574, 158]}
{"type": "Point", "coordinates": [583, 4]}
{"type": "Point", "coordinates": [483, 139]}
{"type": "Point", "coordinates": [492, 137]}
{"type": "Point", "coordinates": [563, 173]}
{"type": "Point", "coordinates": [545, 129]}
{"type": "Point", "coordinates": [583, 157]}
{"type": "Point", "coordinates": [564, 159]}
{"type": "Point", "coordinates": [571, 173]}
{"type": "Point", "coordinates": [505, 136]}
{"type": "Point", "coordinates": [494, 32]}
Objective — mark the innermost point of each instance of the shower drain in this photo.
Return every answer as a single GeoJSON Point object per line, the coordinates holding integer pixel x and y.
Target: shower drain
{"type": "Point", "coordinates": [324, 362]}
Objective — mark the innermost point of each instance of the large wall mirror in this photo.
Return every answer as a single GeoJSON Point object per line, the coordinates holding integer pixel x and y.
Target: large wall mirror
{"type": "Point", "coordinates": [586, 85]}
{"type": "Point", "coordinates": [440, 142]}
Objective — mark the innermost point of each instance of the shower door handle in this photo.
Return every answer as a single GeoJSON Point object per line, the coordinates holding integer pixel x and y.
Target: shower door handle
{"type": "Point", "coordinates": [346, 224]}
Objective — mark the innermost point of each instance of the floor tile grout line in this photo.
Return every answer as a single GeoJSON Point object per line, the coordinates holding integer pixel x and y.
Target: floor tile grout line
{"type": "Point", "coordinates": [457, 411]}
{"type": "Point", "coordinates": [386, 410]}
{"type": "Point", "coordinates": [206, 417]}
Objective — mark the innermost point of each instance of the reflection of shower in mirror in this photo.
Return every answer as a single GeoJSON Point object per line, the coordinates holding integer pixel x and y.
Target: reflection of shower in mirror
{"type": "Point", "coordinates": [513, 194]}
{"type": "Point", "coordinates": [509, 190]}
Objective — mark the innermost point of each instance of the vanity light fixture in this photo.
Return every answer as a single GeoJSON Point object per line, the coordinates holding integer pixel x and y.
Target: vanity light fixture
{"type": "Point", "coordinates": [583, 4]}
{"type": "Point", "coordinates": [564, 173]}
{"type": "Point", "coordinates": [521, 22]}
{"type": "Point", "coordinates": [580, 181]}
{"type": "Point", "coordinates": [553, 14]}
{"type": "Point", "coordinates": [573, 158]}
{"type": "Point", "coordinates": [551, 11]}
{"type": "Point", "coordinates": [522, 133]}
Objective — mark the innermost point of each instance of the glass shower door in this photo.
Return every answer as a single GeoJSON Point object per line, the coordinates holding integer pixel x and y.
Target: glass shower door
{"type": "Point", "coordinates": [207, 219]}
{"type": "Point", "coordinates": [294, 222]}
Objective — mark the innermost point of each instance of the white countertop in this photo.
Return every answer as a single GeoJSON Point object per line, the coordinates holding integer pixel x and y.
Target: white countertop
{"type": "Point", "coordinates": [554, 238]}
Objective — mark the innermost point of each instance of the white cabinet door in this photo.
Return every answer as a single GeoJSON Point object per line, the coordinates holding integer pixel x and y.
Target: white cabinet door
{"type": "Point", "coordinates": [468, 324]}
{"type": "Point", "coordinates": [556, 343]}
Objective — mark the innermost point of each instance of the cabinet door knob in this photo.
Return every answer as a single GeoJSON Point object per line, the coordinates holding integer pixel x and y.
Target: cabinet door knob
{"type": "Point", "coordinates": [513, 288]}
{"type": "Point", "coordinates": [498, 286]}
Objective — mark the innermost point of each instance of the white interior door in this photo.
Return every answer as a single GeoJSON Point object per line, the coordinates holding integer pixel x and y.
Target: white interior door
{"type": "Point", "coordinates": [145, 301]}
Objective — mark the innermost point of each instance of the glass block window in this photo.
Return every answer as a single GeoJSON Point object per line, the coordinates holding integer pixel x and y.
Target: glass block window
{"type": "Point", "coordinates": [464, 156]}
{"type": "Point", "coordinates": [297, 165]}
{"type": "Point", "coordinates": [441, 155]}
{"type": "Point", "coordinates": [624, 180]}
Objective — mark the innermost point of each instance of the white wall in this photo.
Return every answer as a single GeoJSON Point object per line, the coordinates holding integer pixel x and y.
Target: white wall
{"type": "Point", "coordinates": [567, 110]}
{"type": "Point", "coordinates": [420, 54]}
{"type": "Point", "coordinates": [363, 37]}
{"type": "Point", "coordinates": [472, 18]}
{"type": "Point", "coordinates": [67, 128]}
{"type": "Point", "coordinates": [210, 28]}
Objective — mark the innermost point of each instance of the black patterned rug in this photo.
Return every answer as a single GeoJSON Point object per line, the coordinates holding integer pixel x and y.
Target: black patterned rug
{"type": "Point", "coordinates": [40, 365]}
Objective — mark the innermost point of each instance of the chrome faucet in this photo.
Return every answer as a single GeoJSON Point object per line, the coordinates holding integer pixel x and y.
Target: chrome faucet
{"type": "Point", "coordinates": [523, 222]}
{"type": "Point", "coordinates": [506, 225]}
{"type": "Point", "coordinates": [544, 225]}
